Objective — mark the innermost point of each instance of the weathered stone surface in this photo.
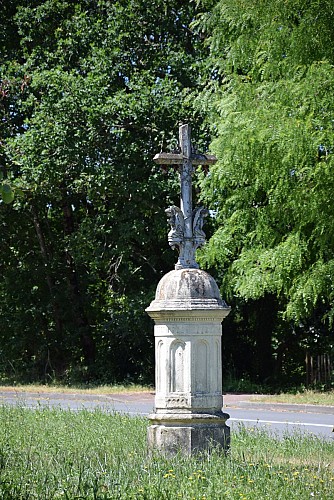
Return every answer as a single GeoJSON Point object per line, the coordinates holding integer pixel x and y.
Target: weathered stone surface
{"type": "Point", "coordinates": [188, 312]}
{"type": "Point", "coordinates": [188, 289]}
{"type": "Point", "coordinates": [188, 434]}
{"type": "Point", "coordinates": [186, 232]}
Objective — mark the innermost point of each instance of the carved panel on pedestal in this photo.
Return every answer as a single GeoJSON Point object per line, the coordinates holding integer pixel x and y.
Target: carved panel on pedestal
{"type": "Point", "coordinates": [201, 364]}
{"type": "Point", "coordinates": [177, 365]}
{"type": "Point", "coordinates": [160, 366]}
{"type": "Point", "coordinates": [217, 357]}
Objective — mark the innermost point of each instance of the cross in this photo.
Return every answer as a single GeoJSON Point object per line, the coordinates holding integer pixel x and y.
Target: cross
{"type": "Point", "coordinates": [186, 223]}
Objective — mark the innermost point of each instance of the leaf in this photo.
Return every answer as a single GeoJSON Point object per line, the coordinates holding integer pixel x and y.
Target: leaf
{"type": "Point", "coordinates": [7, 193]}
{"type": "Point", "coordinates": [19, 192]}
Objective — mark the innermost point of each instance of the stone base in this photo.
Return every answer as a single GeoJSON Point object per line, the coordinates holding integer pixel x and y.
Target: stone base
{"type": "Point", "coordinates": [188, 434]}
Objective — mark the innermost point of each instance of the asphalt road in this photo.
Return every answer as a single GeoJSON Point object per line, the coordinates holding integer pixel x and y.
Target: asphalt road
{"type": "Point", "coordinates": [277, 419]}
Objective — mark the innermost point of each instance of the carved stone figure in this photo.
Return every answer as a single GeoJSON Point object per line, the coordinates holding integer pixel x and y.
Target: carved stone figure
{"type": "Point", "coordinates": [176, 220]}
{"type": "Point", "coordinates": [198, 221]}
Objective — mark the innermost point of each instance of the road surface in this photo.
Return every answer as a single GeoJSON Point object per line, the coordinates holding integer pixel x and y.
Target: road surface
{"type": "Point", "coordinates": [276, 418]}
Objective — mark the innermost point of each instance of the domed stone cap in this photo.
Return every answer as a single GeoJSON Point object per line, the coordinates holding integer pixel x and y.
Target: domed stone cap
{"type": "Point", "coordinates": [187, 289]}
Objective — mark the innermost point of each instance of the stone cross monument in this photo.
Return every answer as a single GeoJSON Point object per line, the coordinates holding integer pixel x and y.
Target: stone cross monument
{"type": "Point", "coordinates": [187, 311]}
{"type": "Point", "coordinates": [186, 232]}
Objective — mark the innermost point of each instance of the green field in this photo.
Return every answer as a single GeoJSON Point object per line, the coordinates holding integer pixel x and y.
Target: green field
{"type": "Point", "coordinates": [57, 454]}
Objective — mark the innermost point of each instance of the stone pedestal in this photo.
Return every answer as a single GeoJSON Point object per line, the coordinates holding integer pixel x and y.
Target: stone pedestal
{"type": "Point", "coordinates": [188, 312]}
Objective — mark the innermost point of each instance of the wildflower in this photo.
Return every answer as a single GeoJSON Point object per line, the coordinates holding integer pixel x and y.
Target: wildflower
{"type": "Point", "coordinates": [168, 474]}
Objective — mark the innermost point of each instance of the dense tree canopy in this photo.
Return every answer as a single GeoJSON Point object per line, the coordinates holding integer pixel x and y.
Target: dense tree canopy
{"type": "Point", "coordinates": [91, 90]}
{"type": "Point", "coordinates": [271, 107]}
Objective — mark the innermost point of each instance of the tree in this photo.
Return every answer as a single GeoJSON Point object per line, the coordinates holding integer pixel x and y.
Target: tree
{"type": "Point", "coordinates": [96, 88]}
{"type": "Point", "coordinates": [270, 99]}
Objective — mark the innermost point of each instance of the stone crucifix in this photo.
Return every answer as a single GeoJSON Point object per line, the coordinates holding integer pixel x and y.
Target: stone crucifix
{"type": "Point", "coordinates": [186, 232]}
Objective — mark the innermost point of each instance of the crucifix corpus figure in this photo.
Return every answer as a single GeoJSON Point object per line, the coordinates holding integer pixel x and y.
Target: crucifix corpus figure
{"type": "Point", "coordinates": [186, 232]}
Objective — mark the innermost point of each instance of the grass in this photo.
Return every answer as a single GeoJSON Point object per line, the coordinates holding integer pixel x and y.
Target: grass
{"type": "Point", "coordinates": [100, 389]}
{"type": "Point", "coordinates": [57, 454]}
{"type": "Point", "coordinates": [302, 397]}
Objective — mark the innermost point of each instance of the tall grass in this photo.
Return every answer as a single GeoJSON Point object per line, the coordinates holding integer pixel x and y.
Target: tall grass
{"type": "Point", "coordinates": [56, 454]}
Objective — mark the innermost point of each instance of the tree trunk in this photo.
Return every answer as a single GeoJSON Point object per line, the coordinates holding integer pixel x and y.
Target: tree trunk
{"type": "Point", "coordinates": [48, 275]}
{"type": "Point", "coordinates": [79, 315]}
{"type": "Point", "coordinates": [265, 315]}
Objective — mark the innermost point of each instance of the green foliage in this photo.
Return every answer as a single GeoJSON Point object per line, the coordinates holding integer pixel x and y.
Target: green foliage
{"type": "Point", "coordinates": [271, 106]}
{"type": "Point", "coordinates": [91, 92]}
{"type": "Point", "coordinates": [6, 193]}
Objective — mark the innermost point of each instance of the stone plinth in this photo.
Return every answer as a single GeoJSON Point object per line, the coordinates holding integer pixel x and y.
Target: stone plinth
{"type": "Point", "coordinates": [188, 312]}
